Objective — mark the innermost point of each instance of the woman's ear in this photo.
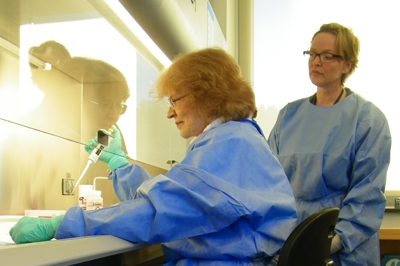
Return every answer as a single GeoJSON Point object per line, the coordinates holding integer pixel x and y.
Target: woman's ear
{"type": "Point", "coordinates": [347, 67]}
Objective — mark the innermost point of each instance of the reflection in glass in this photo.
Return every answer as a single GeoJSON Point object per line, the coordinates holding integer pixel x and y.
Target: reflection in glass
{"type": "Point", "coordinates": [74, 74]}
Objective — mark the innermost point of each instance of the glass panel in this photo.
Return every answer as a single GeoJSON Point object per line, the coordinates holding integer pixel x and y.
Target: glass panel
{"type": "Point", "coordinates": [66, 72]}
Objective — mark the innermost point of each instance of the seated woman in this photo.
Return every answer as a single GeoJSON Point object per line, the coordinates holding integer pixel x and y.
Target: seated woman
{"type": "Point", "coordinates": [228, 202]}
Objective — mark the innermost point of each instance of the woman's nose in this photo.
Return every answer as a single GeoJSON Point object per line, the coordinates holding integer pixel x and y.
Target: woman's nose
{"type": "Point", "coordinates": [316, 61]}
{"type": "Point", "coordinates": [170, 113]}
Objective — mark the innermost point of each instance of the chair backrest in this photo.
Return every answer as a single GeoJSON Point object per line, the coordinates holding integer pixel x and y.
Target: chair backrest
{"type": "Point", "coordinates": [310, 242]}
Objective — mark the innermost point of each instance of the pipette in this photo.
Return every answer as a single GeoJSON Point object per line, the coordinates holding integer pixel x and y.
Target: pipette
{"type": "Point", "coordinates": [104, 137]}
{"type": "Point", "coordinates": [94, 156]}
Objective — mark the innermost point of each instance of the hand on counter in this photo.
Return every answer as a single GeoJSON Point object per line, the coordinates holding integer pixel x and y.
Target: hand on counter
{"type": "Point", "coordinates": [33, 229]}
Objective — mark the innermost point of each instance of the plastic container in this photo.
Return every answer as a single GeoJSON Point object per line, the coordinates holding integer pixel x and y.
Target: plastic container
{"type": "Point", "coordinates": [44, 213]}
{"type": "Point", "coordinates": [94, 201]}
{"type": "Point", "coordinates": [397, 203]}
{"type": "Point", "coordinates": [83, 193]}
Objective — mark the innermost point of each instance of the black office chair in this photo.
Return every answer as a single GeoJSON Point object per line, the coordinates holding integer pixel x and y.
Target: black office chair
{"type": "Point", "coordinates": [310, 242]}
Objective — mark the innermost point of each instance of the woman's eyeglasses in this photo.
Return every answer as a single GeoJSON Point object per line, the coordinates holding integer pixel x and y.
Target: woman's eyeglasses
{"type": "Point", "coordinates": [324, 57]}
{"type": "Point", "coordinates": [107, 106]}
{"type": "Point", "coordinates": [171, 101]}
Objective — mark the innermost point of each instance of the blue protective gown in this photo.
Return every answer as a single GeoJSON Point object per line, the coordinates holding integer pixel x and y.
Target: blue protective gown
{"type": "Point", "coordinates": [338, 156]}
{"type": "Point", "coordinates": [228, 202]}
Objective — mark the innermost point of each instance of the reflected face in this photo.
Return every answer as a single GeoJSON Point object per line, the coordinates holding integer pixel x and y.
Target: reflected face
{"type": "Point", "coordinates": [188, 120]}
{"type": "Point", "coordinates": [102, 110]}
{"type": "Point", "coordinates": [326, 74]}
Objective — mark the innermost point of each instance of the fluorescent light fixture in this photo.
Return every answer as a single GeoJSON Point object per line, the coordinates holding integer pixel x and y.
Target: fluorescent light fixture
{"type": "Point", "coordinates": [125, 24]}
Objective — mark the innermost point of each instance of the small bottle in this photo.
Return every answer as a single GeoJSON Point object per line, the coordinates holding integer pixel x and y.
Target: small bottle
{"type": "Point", "coordinates": [397, 203]}
{"type": "Point", "coordinates": [83, 193]}
{"type": "Point", "coordinates": [94, 201]}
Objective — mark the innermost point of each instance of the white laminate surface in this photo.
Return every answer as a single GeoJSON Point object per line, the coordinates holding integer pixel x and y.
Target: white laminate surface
{"type": "Point", "coordinates": [6, 223]}
{"type": "Point", "coordinates": [391, 220]}
{"type": "Point", "coordinates": [64, 252]}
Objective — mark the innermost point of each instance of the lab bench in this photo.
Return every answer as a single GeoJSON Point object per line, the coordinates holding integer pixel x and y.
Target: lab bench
{"type": "Point", "coordinates": [83, 251]}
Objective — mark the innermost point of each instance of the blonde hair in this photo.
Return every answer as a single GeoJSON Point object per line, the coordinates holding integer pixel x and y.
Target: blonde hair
{"type": "Point", "coordinates": [214, 82]}
{"type": "Point", "coordinates": [347, 45]}
{"type": "Point", "coordinates": [51, 52]}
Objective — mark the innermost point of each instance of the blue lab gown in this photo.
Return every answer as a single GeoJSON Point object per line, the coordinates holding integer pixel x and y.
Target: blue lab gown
{"type": "Point", "coordinates": [228, 202]}
{"type": "Point", "coordinates": [338, 156]}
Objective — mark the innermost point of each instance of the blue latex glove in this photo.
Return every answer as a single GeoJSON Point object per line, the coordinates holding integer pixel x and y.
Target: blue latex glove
{"type": "Point", "coordinates": [33, 229]}
{"type": "Point", "coordinates": [112, 155]}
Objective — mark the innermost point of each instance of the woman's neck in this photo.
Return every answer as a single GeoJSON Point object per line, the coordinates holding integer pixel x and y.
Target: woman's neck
{"type": "Point", "coordinates": [329, 97]}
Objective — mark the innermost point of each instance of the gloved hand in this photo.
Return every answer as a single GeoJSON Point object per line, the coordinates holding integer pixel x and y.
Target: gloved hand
{"type": "Point", "coordinates": [112, 155]}
{"type": "Point", "coordinates": [32, 229]}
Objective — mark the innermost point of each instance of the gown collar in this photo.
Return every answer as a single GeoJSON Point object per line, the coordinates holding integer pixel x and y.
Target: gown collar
{"type": "Point", "coordinates": [216, 123]}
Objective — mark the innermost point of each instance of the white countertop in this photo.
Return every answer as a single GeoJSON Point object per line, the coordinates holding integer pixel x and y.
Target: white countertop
{"type": "Point", "coordinates": [64, 252]}
{"type": "Point", "coordinates": [59, 252]}
{"type": "Point", "coordinates": [6, 222]}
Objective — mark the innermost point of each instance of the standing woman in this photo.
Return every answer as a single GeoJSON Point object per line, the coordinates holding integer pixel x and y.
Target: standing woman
{"type": "Point", "coordinates": [335, 148]}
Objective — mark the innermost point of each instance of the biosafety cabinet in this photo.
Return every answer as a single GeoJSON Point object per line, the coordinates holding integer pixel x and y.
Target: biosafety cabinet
{"type": "Point", "coordinates": [50, 109]}
{"type": "Point", "coordinates": [71, 67]}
